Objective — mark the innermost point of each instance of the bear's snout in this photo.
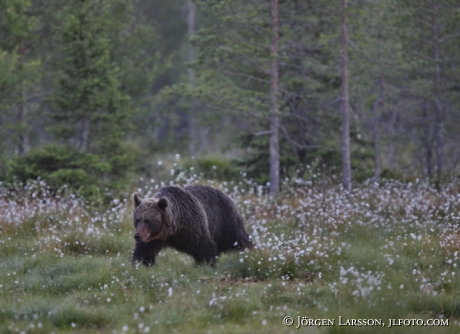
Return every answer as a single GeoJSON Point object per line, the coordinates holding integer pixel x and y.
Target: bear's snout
{"type": "Point", "coordinates": [137, 237]}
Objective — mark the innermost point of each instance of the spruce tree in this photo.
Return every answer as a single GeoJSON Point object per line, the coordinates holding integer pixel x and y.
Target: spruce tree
{"type": "Point", "coordinates": [90, 110]}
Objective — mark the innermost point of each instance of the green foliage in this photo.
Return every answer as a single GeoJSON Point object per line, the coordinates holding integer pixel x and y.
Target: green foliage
{"type": "Point", "coordinates": [93, 73]}
{"type": "Point", "coordinates": [67, 166]}
{"type": "Point", "coordinates": [91, 110]}
{"type": "Point", "coordinates": [234, 77]}
{"type": "Point", "coordinates": [391, 174]}
{"type": "Point", "coordinates": [8, 78]}
{"type": "Point", "coordinates": [20, 72]}
{"type": "Point", "coordinates": [324, 159]}
{"type": "Point", "coordinates": [16, 23]}
{"type": "Point", "coordinates": [254, 162]}
{"type": "Point", "coordinates": [214, 168]}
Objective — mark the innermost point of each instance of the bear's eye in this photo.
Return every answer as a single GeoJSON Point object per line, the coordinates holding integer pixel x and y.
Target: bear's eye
{"type": "Point", "coordinates": [147, 221]}
{"type": "Point", "coordinates": [136, 222]}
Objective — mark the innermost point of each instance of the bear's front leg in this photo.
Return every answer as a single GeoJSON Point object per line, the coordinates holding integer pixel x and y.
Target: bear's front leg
{"type": "Point", "coordinates": [146, 252]}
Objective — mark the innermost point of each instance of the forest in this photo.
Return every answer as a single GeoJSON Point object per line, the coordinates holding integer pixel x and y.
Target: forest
{"type": "Point", "coordinates": [331, 125]}
{"type": "Point", "coordinates": [93, 92]}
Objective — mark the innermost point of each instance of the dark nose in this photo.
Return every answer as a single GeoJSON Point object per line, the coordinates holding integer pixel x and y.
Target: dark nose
{"type": "Point", "coordinates": [137, 237]}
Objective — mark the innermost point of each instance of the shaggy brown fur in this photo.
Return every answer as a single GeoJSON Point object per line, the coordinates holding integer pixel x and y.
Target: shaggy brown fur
{"type": "Point", "coordinates": [198, 220]}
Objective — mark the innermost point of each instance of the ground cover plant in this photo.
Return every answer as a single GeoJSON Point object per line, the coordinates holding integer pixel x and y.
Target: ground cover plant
{"type": "Point", "coordinates": [379, 252]}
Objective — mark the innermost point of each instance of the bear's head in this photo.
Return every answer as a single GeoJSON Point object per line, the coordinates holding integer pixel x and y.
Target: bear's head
{"type": "Point", "coordinates": [151, 219]}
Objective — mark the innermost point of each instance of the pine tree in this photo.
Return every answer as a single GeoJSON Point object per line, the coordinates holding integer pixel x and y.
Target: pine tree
{"type": "Point", "coordinates": [277, 86]}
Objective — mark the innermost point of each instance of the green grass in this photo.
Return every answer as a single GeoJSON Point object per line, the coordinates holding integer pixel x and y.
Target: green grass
{"type": "Point", "coordinates": [68, 271]}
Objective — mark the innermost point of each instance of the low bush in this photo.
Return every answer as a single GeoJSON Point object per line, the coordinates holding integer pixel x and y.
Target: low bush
{"type": "Point", "coordinates": [82, 172]}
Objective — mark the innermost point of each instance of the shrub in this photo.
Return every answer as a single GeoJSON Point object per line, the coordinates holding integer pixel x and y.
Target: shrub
{"type": "Point", "coordinates": [67, 165]}
{"type": "Point", "coordinates": [215, 168]}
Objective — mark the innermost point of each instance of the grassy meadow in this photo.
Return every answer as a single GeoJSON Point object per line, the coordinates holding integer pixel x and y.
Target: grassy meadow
{"type": "Point", "coordinates": [386, 252]}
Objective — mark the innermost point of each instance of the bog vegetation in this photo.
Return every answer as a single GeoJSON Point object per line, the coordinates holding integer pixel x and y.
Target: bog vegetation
{"type": "Point", "coordinates": [378, 252]}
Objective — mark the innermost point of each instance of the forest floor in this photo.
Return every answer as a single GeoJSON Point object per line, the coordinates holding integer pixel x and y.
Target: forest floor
{"type": "Point", "coordinates": [379, 259]}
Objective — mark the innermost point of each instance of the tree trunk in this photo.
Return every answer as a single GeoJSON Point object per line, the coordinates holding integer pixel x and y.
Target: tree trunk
{"type": "Point", "coordinates": [428, 142]}
{"type": "Point", "coordinates": [192, 127]}
{"type": "Point", "coordinates": [85, 133]}
{"type": "Point", "coordinates": [378, 105]}
{"type": "Point", "coordinates": [376, 139]}
{"type": "Point", "coordinates": [23, 144]}
{"type": "Point", "coordinates": [23, 139]}
{"type": "Point", "coordinates": [274, 118]}
{"type": "Point", "coordinates": [439, 127]}
{"type": "Point", "coordinates": [346, 165]}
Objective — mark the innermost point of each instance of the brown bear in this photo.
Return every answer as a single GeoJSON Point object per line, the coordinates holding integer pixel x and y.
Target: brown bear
{"type": "Point", "coordinates": [198, 220]}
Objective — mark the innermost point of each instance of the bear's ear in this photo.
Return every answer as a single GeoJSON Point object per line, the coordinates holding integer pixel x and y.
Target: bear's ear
{"type": "Point", "coordinates": [162, 203]}
{"type": "Point", "coordinates": [137, 200]}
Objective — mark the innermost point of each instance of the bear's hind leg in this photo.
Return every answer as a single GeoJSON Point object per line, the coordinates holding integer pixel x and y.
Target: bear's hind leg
{"type": "Point", "coordinates": [206, 253]}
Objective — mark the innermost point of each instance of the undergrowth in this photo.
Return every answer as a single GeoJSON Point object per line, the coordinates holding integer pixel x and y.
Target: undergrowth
{"type": "Point", "coordinates": [386, 252]}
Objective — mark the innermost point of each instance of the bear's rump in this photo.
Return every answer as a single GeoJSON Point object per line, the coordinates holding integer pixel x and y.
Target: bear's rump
{"type": "Point", "coordinates": [225, 224]}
